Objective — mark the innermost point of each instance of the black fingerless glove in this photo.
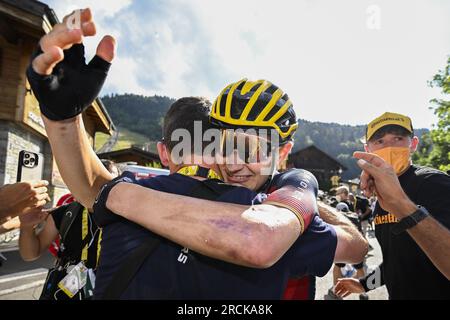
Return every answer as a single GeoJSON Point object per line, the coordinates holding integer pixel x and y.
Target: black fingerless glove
{"type": "Point", "coordinates": [72, 86]}
{"type": "Point", "coordinates": [102, 215]}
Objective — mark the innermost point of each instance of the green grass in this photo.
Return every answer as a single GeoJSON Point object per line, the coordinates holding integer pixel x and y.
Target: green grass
{"type": "Point", "coordinates": [126, 139]}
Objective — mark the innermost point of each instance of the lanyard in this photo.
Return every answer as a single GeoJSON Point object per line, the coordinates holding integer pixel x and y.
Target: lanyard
{"type": "Point", "coordinates": [99, 245]}
{"type": "Point", "coordinates": [84, 233]}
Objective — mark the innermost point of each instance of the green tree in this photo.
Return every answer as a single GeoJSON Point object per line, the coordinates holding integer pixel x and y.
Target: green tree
{"type": "Point", "coordinates": [439, 136]}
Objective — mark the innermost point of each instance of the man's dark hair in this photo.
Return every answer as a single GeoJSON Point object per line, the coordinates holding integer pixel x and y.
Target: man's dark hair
{"type": "Point", "coordinates": [108, 164]}
{"type": "Point", "coordinates": [182, 114]}
{"type": "Point", "coordinates": [392, 129]}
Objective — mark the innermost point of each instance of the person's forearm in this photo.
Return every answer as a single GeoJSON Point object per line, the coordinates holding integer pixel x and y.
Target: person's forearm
{"type": "Point", "coordinates": [252, 236]}
{"type": "Point", "coordinates": [331, 216]}
{"type": "Point", "coordinates": [29, 244]}
{"type": "Point", "coordinates": [352, 247]}
{"type": "Point", "coordinates": [432, 237]}
{"type": "Point", "coordinates": [77, 162]}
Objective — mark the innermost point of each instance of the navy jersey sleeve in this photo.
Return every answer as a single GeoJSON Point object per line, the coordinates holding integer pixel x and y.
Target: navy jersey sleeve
{"type": "Point", "coordinates": [101, 214]}
{"type": "Point", "coordinates": [304, 181]}
{"type": "Point", "coordinates": [434, 194]}
{"type": "Point", "coordinates": [297, 178]}
{"type": "Point", "coordinates": [313, 252]}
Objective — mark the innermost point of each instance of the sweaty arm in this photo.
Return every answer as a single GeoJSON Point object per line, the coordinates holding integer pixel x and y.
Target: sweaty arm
{"type": "Point", "coordinates": [65, 86]}
{"type": "Point", "coordinates": [256, 235]}
{"type": "Point", "coordinates": [77, 162]}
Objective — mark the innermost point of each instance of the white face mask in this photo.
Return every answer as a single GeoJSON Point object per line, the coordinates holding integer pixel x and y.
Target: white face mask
{"type": "Point", "coordinates": [339, 198]}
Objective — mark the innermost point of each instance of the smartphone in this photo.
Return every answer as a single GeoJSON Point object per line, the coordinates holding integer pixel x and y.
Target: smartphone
{"type": "Point", "coordinates": [31, 166]}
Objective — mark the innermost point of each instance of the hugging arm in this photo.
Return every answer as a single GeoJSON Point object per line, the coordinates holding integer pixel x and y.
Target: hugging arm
{"type": "Point", "coordinates": [351, 245]}
{"type": "Point", "coordinates": [254, 236]}
{"type": "Point", "coordinates": [249, 235]}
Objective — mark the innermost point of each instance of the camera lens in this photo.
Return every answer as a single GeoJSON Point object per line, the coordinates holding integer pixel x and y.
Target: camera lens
{"type": "Point", "coordinates": [26, 162]}
{"type": "Point", "coordinates": [32, 160]}
{"type": "Point", "coordinates": [27, 155]}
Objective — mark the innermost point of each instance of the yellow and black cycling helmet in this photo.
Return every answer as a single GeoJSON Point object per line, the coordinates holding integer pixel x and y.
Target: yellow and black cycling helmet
{"type": "Point", "coordinates": [255, 104]}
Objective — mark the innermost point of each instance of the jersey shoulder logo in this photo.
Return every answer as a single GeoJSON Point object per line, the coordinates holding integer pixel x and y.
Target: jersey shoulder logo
{"type": "Point", "coordinates": [183, 257]}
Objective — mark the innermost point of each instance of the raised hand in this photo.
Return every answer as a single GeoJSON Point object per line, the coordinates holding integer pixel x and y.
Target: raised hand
{"type": "Point", "coordinates": [61, 80]}
{"type": "Point", "coordinates": [379, 177]}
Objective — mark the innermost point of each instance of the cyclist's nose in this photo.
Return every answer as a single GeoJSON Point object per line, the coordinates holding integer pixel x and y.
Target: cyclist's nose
{"type": "Point", "coordinates": [234, 167]}
{"type": "Point", "coordinates": [233, 162]}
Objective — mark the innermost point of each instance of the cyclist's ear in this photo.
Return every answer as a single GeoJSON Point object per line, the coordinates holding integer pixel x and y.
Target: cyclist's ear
{"type": "Point", "coordinates": [284, 151]}
{"type": "Point", "coordinates": [163, 153]}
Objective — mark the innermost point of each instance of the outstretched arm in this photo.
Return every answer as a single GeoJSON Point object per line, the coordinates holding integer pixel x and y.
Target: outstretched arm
{"type": "Point", "coordinates": [65, 86]}
{"type": "Point", "coordinates": [78, 164]}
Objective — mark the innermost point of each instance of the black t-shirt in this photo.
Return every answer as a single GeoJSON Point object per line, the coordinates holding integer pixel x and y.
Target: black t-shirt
{"type": "Point", "coordinates": [72, 244]}
{"type": "Point", "coordinates": [349, 204]}
{"type": "Point", "coordinates": [362, 203]}
{"type": "Point", "coordinates": [361, 206]}
{"type": "Point", "coordinates": [407, 271]}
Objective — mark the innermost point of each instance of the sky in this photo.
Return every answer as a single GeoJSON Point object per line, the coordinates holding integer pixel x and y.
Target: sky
{"type": "Point", "coordinates": [342, 61]}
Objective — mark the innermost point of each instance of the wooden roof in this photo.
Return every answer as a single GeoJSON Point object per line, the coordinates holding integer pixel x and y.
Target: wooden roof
{"type": "Point", "coordinates": [132, 153]}
{"type": "Point", "coordinates": [34, 19]}
{"type": "Point", "coordinates": [313, 149]}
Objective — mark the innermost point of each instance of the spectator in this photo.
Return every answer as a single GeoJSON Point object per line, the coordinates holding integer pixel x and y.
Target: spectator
{"type": "Point", "coordinates": [362, 209]}
{"type": "Point", "coordinates": [111, 167]}
{"type": "Point", "coordinates": [338, 267]}
{"type": "Point", "coordinates": [412, 215]}
{"type": "Point", "coordinates": [65, 230]}
{"type": "Point", "coordinates": [342, 196]}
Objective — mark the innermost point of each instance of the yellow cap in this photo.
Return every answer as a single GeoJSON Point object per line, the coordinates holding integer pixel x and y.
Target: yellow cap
{"type": "Point", "coordinates": [388, 118]}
